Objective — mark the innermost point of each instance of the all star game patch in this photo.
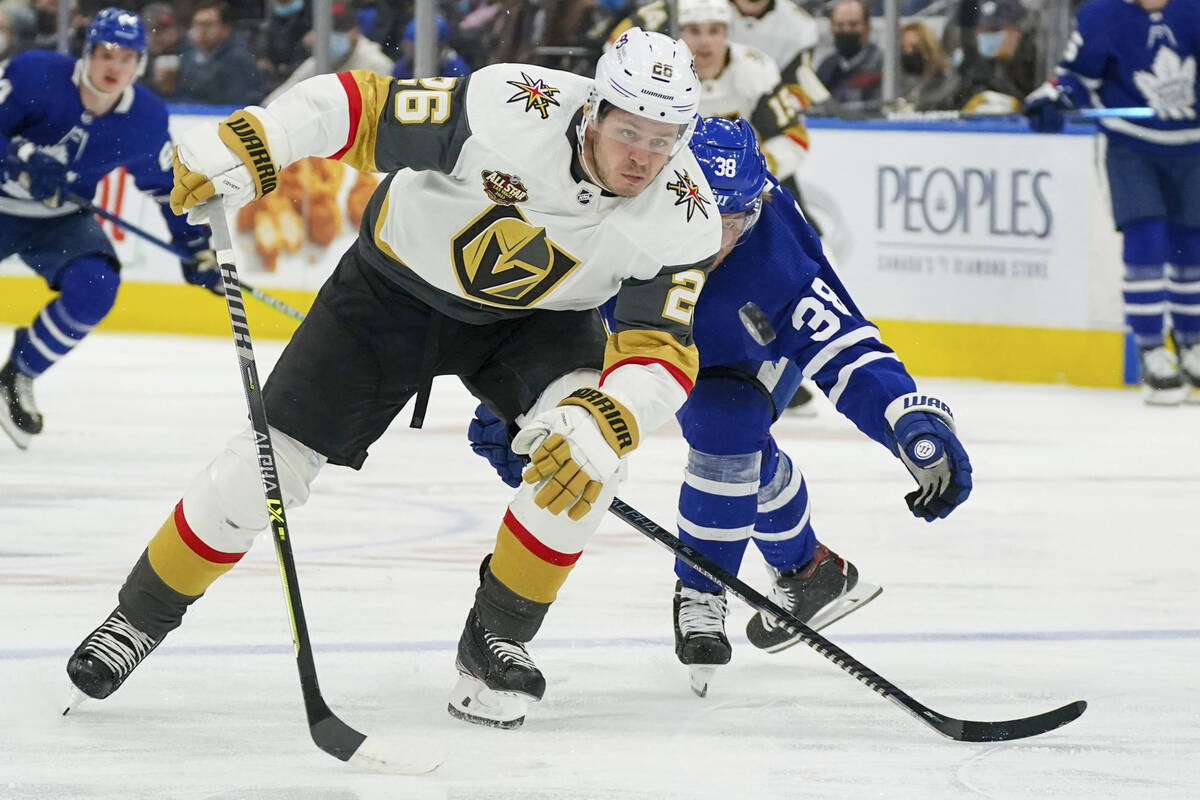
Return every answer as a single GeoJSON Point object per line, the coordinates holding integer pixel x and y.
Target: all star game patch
{"type": "Point", "coordinates": [535, 94]}
{"type": "Point", "coordinates": [502, 188]}
{"type": "Point", "coordinates": [686, 191]}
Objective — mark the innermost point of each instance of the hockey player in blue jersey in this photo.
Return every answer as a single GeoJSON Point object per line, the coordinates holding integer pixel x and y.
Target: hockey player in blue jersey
{"type": "Point", "coordinates": [64, 124]}
{"type": "Point", "coordinates": [772, 314]}
{"type": "Point", "coordinates": [1144, 53]}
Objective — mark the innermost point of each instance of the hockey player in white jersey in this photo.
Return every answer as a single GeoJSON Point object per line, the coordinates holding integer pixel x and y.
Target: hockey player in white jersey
{"type": "Point", "coordinates": [517, 200]}
{"type": "Point", "coordinates": [740, 80]}
{"type": "Point", "coordinates": [782, 30]}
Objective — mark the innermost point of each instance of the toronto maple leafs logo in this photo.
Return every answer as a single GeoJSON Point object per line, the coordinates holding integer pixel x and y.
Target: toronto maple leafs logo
{"type": "Point", "coordinates": [536, 95]}
{"type": "Point", "coordinates": [1170, 85]}
{"type": "Point", "coordinates": [686, 191]}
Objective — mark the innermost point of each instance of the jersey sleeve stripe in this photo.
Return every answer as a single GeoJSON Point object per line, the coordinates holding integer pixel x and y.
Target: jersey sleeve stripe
{"type": "Point", "coordinates": [678, 374]}
{"type": "Point", "coordinates": [846, 372]}
{"type": "Point", "coordinates": [830, 351]}
{"type": "Point", "coordinates": [354, 96]}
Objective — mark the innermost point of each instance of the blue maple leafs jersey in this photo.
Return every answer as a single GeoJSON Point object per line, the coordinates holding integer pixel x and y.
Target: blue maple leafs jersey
{"type": "Point", "coordinates": [1121, 56]}
{"type": "Point", "coordinates": [781, 268]}
{"type": "Point", "coordinates": [40, 103]}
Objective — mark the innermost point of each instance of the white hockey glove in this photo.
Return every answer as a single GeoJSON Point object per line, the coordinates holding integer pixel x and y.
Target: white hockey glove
{"type": "Point", "coordinates": [238, 158]}
{"type": "Point", "coordinates": [575, 448]}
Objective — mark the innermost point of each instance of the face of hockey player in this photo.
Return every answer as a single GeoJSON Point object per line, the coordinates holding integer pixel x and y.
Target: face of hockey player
{"type": "Point", "coordinates": [708, 42]}
{"type": "Point", "coordinates": [625, 151]}
{"type": "Point", "coordinates": [732, 227]}
{"type": "Point", "coordinates": [1153, 5]}
{"type": "Point", "coordinates": [112, 67]}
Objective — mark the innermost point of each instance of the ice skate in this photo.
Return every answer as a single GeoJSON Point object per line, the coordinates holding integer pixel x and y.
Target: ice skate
{"type": "Point", "coordinates": [497, 679]}
{"type": "Point", "coordinates": [819, 593]}
{"type": "Point", "coordinates": [20, 417]}
{"type": "Point", "coordinates": [700, 640]}
{"type": "Point", "coordinates": [103, 660]}
{"type": "Point", "coordinates": [1162, 382]}
{"type": "Point", "coordinates": [1189, 366]}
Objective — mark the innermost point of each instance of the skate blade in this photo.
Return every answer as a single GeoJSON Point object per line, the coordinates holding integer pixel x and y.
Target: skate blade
{"type": "Point", "coordinates": [472, 701]}
{"type": "Point", "coordinates": [75, 700]}
{"type": "Point", "coordinates": [20, 438]}
{"type": "Point", "coordinates": [848, 603]}
{"type": "Point", "coordinates": [700, 677]}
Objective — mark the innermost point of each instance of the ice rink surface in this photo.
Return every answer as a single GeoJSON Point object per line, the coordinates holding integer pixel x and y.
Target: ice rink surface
{"type": "Point", "coordinates": [1070, 574]}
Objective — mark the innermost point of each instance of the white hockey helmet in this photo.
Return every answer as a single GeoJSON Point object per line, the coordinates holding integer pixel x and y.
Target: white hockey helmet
{"type": "Point", "coordinates": [695, 11]}
{"type": "Point", "coordinates": [648, 74]}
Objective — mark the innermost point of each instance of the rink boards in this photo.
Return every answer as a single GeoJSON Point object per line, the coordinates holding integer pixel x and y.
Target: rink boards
{"type": "Point", "coordinates": [981, 250]}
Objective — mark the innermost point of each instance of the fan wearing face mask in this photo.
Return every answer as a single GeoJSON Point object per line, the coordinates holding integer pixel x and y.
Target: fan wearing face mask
{"type": "Point", "coordinates": [217, 66]}
{"type": "Point", "coordinates": [927, 81]}
{"type": "Point", "coordinates": [348, 50]}
{"type": "Point", "coordinates": [985, 84]}
{"type": "Point", "coordinates": [854, 74]}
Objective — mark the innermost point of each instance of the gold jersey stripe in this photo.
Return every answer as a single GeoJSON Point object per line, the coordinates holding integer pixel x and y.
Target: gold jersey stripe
{"type": "Point", "coordinates": [368, 96]}
{"type": "Point", "coordinates": [646, 346]}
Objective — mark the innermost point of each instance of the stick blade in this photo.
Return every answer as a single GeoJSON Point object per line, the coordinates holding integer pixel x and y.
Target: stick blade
{"type": "Point", "coordinates": [410, 758]}
{"type": "Point", "coordinates": [1008, 730]}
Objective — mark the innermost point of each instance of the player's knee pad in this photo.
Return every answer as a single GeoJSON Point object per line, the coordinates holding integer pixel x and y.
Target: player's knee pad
{"type": "Point", "coordinates": [1184, 250]}
{"type": "Point", "coordinates": [559, 388]}
{"type": "Point", "coordinates": [726, 415]}
{"type": "Point", "coordinates": [225, 505]}
{"type": "Point", "coordinates": [559, 532]}
{"type": "Point", "coordinates": [89, 290]}
{"type": "Point", "coordinates": [1145, 243]}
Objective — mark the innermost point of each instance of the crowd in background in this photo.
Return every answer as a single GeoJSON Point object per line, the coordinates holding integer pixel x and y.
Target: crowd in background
{"type": "Point", "coordinates": [974, 55]}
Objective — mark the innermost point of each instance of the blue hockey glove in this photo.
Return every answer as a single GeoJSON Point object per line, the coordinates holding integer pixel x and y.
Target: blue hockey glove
{"type": "Point", "coordinates": [1045, 105]}
{"type": "Point", "coordinates": [39, 171]}
{"type": "Point", "coordinates": [201, 269]}
{"type": "Point", "coordinates": [489, 438]}
{"type": "Point", "coordinates": [924, 439]}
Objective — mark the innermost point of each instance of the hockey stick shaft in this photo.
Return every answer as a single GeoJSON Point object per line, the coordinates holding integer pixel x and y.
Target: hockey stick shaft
{"type": "Point", "coordinates": [960, 730]}
{"type": "Point", "coordinates": [256, 293]}
{"type": "Point", "coordinates": [328, 732]}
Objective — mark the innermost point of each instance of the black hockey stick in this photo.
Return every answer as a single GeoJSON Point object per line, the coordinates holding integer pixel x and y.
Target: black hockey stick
{"type": "Point", "coordinates": [328, 731]}
{"type": "Point", "coordinates": [961, 730]}
{"type": "Point", "coordinates": [257, 294]}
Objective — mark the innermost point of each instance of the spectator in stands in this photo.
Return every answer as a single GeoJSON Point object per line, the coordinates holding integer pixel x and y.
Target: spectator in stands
{"type": "Point", "coordinates": [927, 81]}
{"type": "Point", "coordinates": [18, 24]}
{"type": "Point", "coordinates": [218, 67]}
{"type": "Point", "coordinates": [280, 45]}
{"type": "Point", "coordinates": [348, 49]}
{"type": "Point", "coordinates": [990, 35]}
{"type": "Point", "coordinates": [164, 44]}
{"type": "Point", "coordinates": [448, 62]}
{"type": "Point", "coordinates": [854, 74]}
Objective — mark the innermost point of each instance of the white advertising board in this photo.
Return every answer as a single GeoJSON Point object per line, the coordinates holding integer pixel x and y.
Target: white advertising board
{"type": "Point", "coordinates": [944, 226]}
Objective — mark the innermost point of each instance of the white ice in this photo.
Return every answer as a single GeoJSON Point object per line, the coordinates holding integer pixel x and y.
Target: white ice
{"type": "Point", "coordinates": [1070, 574]}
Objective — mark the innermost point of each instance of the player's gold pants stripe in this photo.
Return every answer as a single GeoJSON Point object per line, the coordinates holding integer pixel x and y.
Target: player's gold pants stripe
{"type": "Point", "coordinates": [183, 561]}
{"type": "Point", "coordinates": [526, 566]}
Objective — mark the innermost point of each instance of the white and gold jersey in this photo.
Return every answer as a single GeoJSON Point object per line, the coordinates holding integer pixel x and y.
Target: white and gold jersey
{"type": "Point", "coordinates": [749, 87]}
{"type": "Point", "coordinates": [483, 217]}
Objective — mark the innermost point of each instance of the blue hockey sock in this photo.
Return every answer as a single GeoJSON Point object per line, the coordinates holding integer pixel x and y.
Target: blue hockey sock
{"type": "Point", "coordinates": [716, 511]}
{"type": "Point", "coordinates": [1183, 285]}
{"type": "Point", "coordinates": [1145, 288]}
{"type": "Point", "coordinates": [88, 290]}
{"type": "Point", "coordinates": [783, 531]}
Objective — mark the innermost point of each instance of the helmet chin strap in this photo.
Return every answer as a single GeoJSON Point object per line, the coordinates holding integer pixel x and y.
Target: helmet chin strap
{"type": "Point", "coordinates": [585, 163]}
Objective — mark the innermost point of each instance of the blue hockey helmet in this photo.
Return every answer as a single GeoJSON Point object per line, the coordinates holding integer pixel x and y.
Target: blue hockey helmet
{"type": "Point", "coordinates": [735, 168]}
{"type": "Point", "coordinates": [119, 27]}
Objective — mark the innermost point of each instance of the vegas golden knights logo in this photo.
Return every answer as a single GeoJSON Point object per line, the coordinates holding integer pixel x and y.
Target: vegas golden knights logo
{"type": "Point", "coordinates": [502, 259]}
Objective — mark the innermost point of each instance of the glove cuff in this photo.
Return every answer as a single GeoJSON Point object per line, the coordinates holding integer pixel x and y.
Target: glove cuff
{"type": "Point", "coordinates": [616, 422]}
{"type": "Point", "coordinates": [247, 135]}
{"type": "Point", "coordinates": [916, 401]}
